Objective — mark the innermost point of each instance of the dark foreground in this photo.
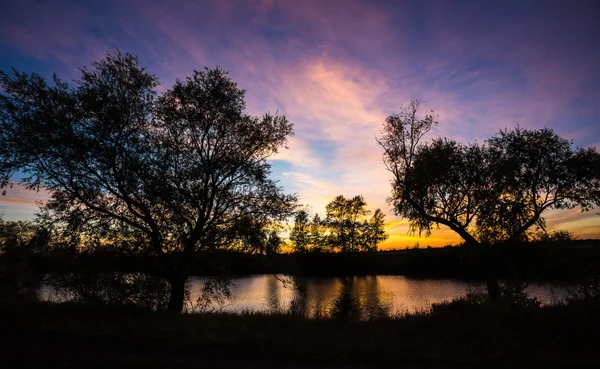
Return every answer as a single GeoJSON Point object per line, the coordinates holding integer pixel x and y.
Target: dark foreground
{"type": "Point", "coordinates": [69, 336]}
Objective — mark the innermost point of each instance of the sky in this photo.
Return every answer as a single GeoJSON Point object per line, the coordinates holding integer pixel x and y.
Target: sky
{"type": "Point", "coordinates": [337, 69]}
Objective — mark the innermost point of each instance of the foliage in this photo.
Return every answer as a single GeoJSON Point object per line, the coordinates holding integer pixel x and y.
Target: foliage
{"type": "Point", "coordinates": [178, 172]}
{"type": "Point", "coordinates": [23, 236]}
{"type": "Point", "coordinates": [588, 291]}
{"type": "Point", "coordinates": [301, 235]}
{"type": "Point", "coordinates": [346, 228]}
{"type": "Point", "coordinates": [317, 231]}
{"type": "Point", "coordinates": [469, 300]}
{"type": "Point", "coordinates": [309, 235]}
{"type": "Point", "coordinates": [373, 231]}
{"type": "Point", "coordinates": [256, 236]}
{"type": "Point", "coordinates": [487, 193]}
{"type": "Point", "coordinates": [536, 170]}
{"type": "Point", "coordinates": [514, 294]}
{"type": "Point", "coordinates": [19, 242]}
{"type": "Point", "coordinates": [560, 235]}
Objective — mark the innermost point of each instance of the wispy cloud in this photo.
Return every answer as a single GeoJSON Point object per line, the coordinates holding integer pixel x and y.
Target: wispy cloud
{"type": "Point", "coordinates": [21, 203]}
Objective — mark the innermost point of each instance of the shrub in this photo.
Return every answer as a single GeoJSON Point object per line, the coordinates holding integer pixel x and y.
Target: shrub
{"type": "Point", "coordinates": [514, 294]}
{"type": "Point", "coordinates": [588, 291]}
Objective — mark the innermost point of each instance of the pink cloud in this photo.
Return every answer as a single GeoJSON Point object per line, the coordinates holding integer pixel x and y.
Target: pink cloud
{"type": "Point", "coordinates": [21, 203]}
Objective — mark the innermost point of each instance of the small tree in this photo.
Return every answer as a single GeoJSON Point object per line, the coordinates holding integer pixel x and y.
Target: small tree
{"type": "Point", "coordinates": [373, 232]}
{"type": "Point", "coordinates": [300, 234]}
{"type": "Point", "coordinates": [486, 193]}
{"type": "Point", "coordinates": [168, 175]}
{"type": "Point", "coordinates": [317, 233]}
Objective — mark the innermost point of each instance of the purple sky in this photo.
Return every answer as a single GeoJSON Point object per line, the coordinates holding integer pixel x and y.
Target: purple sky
{"type": "Point", "coordinates": [338, 68]}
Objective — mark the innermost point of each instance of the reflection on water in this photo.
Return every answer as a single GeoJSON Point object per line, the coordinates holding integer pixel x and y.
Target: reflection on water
{"type": "Point", "coordinates": [374, 294]}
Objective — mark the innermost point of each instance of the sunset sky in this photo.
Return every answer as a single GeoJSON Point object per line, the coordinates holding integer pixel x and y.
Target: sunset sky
{"type": "Point", "coordinates": [336, 69]}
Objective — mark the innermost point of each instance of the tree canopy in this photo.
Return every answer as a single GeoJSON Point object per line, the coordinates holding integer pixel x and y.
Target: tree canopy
{"type": "Point", "coordinates": [488, 192]}
{"type": "Point", "coordinates": [171, 173]}
{"type": "Point", "coordinates": [346, 227]}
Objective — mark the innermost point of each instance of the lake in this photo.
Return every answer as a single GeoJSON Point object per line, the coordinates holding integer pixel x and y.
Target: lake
{"type": "Point", "coordinates": [316, 296]}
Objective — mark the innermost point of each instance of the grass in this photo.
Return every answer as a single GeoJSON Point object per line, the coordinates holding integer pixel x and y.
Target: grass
{"type": "Point", "coordinates": [451, 336]}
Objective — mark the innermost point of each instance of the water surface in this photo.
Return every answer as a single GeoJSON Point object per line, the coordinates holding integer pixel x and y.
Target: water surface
{"type": "Point", "coordinates": [316, 296]}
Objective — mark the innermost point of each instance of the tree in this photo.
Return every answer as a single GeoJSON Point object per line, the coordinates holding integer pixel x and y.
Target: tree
{"type": "Point", "coordinates": [170, 174]}
{"type": "Point", "coordinates": [373, 232]}
{"type": "Point", "coordinates": [317, 233]}
{"type": "Point", "coordinates": [307, 235]}
{"type": "Point", "coordinates": [348, 227]}
{"type": "Point", "coordinates": [300, 234]}
{"type": "Point", "coordinates": [256, 236]}
{"type": "Point", "coordinates": [23, 236]}
{"type": "Point", "coordinates": [536, 170]}
{"type": "Point", "coordinates": [19, 243]}
{"type": "Point", "coordinates": [486, 193]}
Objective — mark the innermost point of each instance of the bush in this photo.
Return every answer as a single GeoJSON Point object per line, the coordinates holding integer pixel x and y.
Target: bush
{"type": "Point", "coordinates": [514, 294]}
{"type": "Point", "coordinates": [588, 291]}
{"type": "Point", "coordinates": [471, 299]}
{"type": "Point", "coordinates": [560, 235]}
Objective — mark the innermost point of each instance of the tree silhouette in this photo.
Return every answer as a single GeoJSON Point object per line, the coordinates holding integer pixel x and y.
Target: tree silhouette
{"type": "Point", "coordinates": [486, 193]}
{"type": "Point", "coordinates": [373, 231]}
{"type": "Point", "coordinates": [536, 170]}
{"type": "Point", "coordinates": [317, 233]}
{"type": "Point", "coordinates": [300, 234]}
{"type": "Point", "coordinates": [343, 220]}
{"type": "Point", "coordinates": [307, 235]}
{"type": "Point", "coordinates": [168, 174]}
{"type": "Point", "coordinates": [346, 228]}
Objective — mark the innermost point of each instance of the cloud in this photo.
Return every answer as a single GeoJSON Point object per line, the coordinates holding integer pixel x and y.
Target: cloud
{"type": "Point", "coordinates": [20, 203]}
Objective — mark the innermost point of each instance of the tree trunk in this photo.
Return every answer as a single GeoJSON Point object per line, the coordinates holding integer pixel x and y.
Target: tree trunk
{"type": "Point", "coordinates": [177, 297]}
{"type": "Point", "coordinates": [494, 292]}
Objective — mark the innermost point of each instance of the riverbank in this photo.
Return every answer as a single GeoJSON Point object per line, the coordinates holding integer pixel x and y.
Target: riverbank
{"type": "Point", "coordinates": [456, 336]}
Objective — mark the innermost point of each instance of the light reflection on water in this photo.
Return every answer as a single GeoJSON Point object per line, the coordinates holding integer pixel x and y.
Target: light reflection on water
{"type": "Point", "coordinates": [316, 296]}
